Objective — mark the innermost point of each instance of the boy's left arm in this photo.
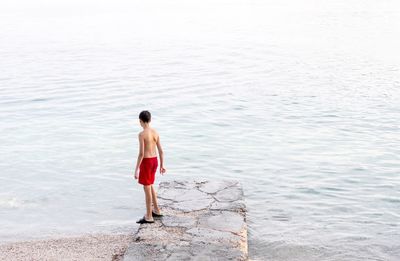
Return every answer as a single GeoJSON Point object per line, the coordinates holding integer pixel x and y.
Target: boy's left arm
{"type": "Point", "coordinates": [140, 155]}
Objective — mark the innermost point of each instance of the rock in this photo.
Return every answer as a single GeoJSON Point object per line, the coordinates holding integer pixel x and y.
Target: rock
{"type": "Point", "coordinates": [181, 194]}
{"type": "Point", "coordinates": [216, 252]}
{"type": "Point", "coordinates": [215, 186]}
{"type": "Point", "coordinates": [232, 194]}
{"type": "Point", "coordinates": [185, 199]}
{"type": "Point", "coordinates": [225, 221]}
{"type": "Point", "coordinates": [145, 252]}
{"type": "Point", "coordinates": [203, 220]}
{"type": "Point", "coordinates": [209, 235]}
{"type": "Point", "coordinates": [178, 221]}
{"type": "Point", "coordinates": [192, 205]}
{"type": "Point", "coordinates": [237, 205]}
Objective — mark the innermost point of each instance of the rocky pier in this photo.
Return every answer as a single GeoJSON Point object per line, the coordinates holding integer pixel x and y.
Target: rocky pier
{"type": "Point", "coordinates": [203, 220]}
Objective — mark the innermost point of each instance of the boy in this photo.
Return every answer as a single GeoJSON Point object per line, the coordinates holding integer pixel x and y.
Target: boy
{"type": "Point", "coordinates": [147, 164]}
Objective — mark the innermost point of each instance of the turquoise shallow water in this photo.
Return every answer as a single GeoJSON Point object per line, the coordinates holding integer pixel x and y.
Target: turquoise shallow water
{"type": "Point", "coordinates": [299, 100]}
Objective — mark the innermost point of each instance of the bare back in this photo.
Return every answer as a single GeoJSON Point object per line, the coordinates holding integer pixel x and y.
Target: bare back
{"type": "Point", "coordinates": [150, 137]}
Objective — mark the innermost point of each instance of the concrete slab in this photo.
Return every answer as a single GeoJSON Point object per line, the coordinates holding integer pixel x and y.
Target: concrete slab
{"type": "Point", "coordinates": [203, 220]}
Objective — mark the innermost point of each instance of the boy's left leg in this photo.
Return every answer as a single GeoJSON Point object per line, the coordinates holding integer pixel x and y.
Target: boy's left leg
{"type": "Point", "coordinates": [154, 199]}
{"type": "Point", "coordinates": [147, 192]}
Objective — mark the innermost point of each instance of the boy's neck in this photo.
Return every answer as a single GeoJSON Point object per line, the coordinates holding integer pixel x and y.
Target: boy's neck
{"type": "Point", "coordinates": [145, 126]}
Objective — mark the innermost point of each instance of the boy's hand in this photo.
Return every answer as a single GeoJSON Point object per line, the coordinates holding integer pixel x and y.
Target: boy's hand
{"type": "Point", "coordinates": [162, 170]}
{"type": "Point", "coordinates": [137, 174]}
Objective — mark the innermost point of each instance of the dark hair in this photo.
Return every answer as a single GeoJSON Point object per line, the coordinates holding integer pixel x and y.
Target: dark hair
{"type": "Point", "coordinates": [145, 116]}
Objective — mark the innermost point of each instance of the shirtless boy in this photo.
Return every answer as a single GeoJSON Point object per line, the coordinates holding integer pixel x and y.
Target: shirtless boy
{"type": "Point", "coordinates": [147, 164]}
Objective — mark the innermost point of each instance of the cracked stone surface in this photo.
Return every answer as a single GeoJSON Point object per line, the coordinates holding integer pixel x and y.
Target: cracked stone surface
{"type": "Point", "coordinates": [178, 221]}
{"type": "Point", "coordinates": [211, 235]}
{"type": "Point", "coordinates": [225, 221]}
{"type": "Point", "coordinates": [232, 206]}
{"type": "Point", "coordinates": [203, 220]}
{"type": "Point", "coordinates": [213, 187]}
{"type": "Point", "coordinates": [232, 194]}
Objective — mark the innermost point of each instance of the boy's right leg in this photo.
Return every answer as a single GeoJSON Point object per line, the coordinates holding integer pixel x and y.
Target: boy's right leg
{"type": "Point", "coordinates": [155, 202]}
{"type": "Point", "coordinates": [147, 192]}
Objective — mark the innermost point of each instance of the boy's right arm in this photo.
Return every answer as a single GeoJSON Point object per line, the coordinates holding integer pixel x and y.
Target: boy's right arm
{"type": "Point", "coordinates": [161, 153]}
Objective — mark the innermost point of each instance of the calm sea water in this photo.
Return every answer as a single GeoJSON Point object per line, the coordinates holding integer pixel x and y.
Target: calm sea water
{"type": "Point", "coordinates": [299, 100]}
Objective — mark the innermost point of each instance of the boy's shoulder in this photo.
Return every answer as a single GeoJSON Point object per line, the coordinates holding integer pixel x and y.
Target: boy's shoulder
{"type": "Point", "coordinates": [154, 133]}
{"type": "Point", "coordinates": [152, 130]}
{"type": "Point", "coordinates": [141, 134]}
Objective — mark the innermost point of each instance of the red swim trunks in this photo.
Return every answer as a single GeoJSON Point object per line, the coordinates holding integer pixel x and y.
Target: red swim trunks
{"type": "Point", "coordinates": [147, 171]}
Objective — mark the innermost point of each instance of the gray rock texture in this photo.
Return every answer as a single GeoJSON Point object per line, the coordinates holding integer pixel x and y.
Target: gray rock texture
{"type": "Point", "coordinates": [203, 220]}
{"type": "Point", "coordinates": [93, 247]}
